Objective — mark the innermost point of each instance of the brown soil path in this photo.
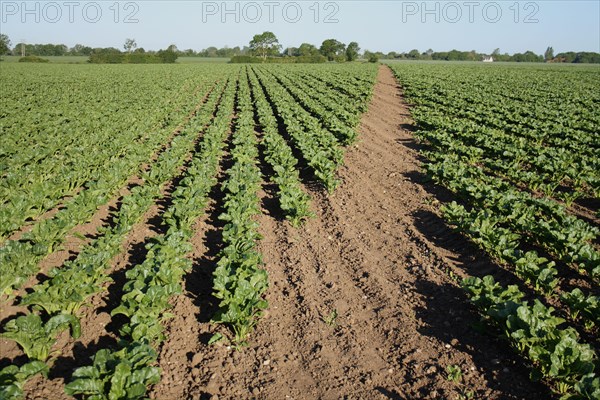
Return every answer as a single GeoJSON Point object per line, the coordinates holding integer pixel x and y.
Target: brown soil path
{"type": "Point", "coordinates": [378, 254]}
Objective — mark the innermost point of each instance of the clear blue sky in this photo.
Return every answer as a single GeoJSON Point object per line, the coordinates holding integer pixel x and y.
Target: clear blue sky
{"type": "Point", "coordinates": [512, 26]}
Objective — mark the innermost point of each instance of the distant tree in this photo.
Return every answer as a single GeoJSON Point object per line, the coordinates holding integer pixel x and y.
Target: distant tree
{"type": "Point", "coordinates": [16, 51]}
{"type": "Point", "coordinates": [173, 48]}
{"type": "Point", "coordinates": [567, 57]}
{"type": "Point", "coordinates": [373, 57]}
{"type": "Point", "coordinates": [352, 51]}
{"type": "Point", "coordinates": [80, 50]}
{"type": "Point", "coordinates": [502, 57]}
{"type": "Point", "coordinates": [167, 56]}
{"type": "Point", "coordinates": [76, 50]}
{"type": "Point", "coordinates": [47, 49]}
{"type": "Point", "coordinates": [4, 44]}
{"type": "Point", "coordinates": [549, 54]}
{"type": "Point", "coordinates": [225, 52]}
{"type": "Point", "coordinates": [455, 55]}
{"type": "Point", "coordinates": [307, 50]}
{"type": "Point", "coordinates": [392, 55]}
{"type": "Point", "coordinates": [496, 52]}
{"type": "Point", "coordinates": [587, 58]}
{"type": "Point", "coordinates": [528, 56]}
{"type": "Point", "coordinates": [265, 44]}
{"type": "Point", "coordinates": [414, 54]}
{"type": "Point", "coordinates": [130, 45]}
{"type": "Point", "coordinates": [439, 55]}
{"type": "Point", "coordinates": [290, 52]}
{"type": "Point", "coordinates": [102, 50]}
{"type": "Point", "coordinates": [331, 48]}
{"type": "Point", "coordinates": [211, 52]}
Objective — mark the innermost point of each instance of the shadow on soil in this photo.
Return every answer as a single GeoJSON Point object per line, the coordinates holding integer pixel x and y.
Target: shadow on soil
{"type": "Point", "coordinates": [199, 282]}
{"type": "Point", "coordinates": [64, 366]}
{"type": "Point", "coordinates": [447, 314]}
{"type": "Point", "coordinates": [448, 317]}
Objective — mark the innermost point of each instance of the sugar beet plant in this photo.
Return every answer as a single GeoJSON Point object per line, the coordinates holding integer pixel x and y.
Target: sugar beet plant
{"type": "Point", "coordinates": [518, 156]}
{"type": "Point", "coordinates": [294, 202]}
{"type": "Point", "coordinates": [155, 136]}
{"type": "Point", "coordinates": [554, 351]}
{"type": "Point", "coordinates": [75, 145]}
{"type": "Point", "coordinates": [128, 153]}
{"type": "Point", "coordinates": [318, 147]}
{"type": "Point", "coordinates": [239, 279]}
{"type": "Point", "coordinates": [328, 117]}
{"type": "Point", "coordinates": [55, 303]}
{"type": "Point", "coordinates": [126, 373]}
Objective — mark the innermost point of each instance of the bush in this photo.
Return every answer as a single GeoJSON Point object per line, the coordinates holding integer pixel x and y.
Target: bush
{"type": "Point", "coordinates": [167, 56]}
{"type": "Point", "coordinates": [318, 59]}
{"type": "Point", "coordinates": [33, 59]}
{"type": "Point", "coordinates": [139, 58]}
{"type": "Point", "coordinates": [108, 57]}
{"type": "Point", "coordinates": [373, 58]}
{"type": "Point", "coordinates": [245, 60]}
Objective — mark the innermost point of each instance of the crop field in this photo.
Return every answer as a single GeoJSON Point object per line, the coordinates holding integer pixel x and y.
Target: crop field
{"type": "Point", "coordinates": [524, 165]}
{"type": "Point", "coordinates": [211, 231]}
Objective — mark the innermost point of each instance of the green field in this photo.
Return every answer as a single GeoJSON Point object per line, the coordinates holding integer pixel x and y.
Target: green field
{"type": "Point", "coordinates": [72, 137]}
{"type": "Point", "coordinates": [516, 147]}
{"type": "Point", "coordinates": [519, 147]}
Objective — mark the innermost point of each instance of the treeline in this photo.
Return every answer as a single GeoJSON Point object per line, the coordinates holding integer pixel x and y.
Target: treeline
{"type": "Point", "coordinates": [316, 59]}
{"type": "Point", "coordinates": [307, 50]}
{"type": "Point", "coordinates": [330, 50]}
{"type": "Point", "coordinates": [457, 55]}
{"type": "Point", "coordinates": [265, 47]}
{"type": "Point", "coordinates": [45, 50]}
{"type": "Point", "coordinates": [109, 55]}
{"type": "Point", "coordinates": [578, 58]}
{"type": "Point", "coordinates": [213, 52]}
{"type": "Point", "coordinates": [139, 56]}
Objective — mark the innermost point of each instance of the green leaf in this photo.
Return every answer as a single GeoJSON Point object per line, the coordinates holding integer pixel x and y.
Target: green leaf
{"type": "Point", "coordinates": [85, 386]}
{"type": "Point", "coordinates": [215, 338]}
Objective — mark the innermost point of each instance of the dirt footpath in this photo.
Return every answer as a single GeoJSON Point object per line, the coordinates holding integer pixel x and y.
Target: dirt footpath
{"type": "Point", "coordinates": [379, 257]}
